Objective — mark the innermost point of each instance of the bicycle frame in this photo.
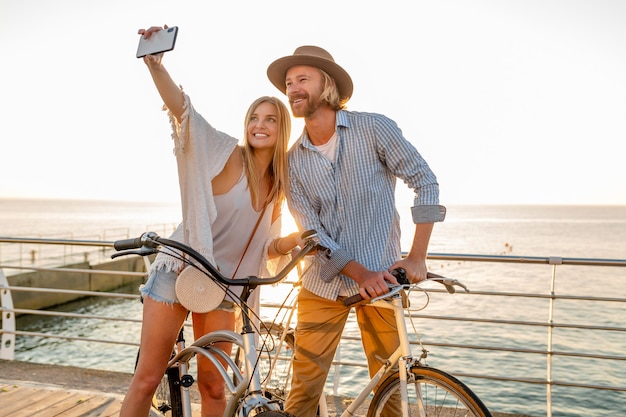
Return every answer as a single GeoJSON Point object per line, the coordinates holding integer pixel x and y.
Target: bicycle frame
{"type": "Point", "coordinates": [249, 381]}
{"type": "Point", "coordinates": [402, 356]}
{"type": "Point", "coordinates": [245, 387]}
{"type": "Point", "coordinates": [401, 372]}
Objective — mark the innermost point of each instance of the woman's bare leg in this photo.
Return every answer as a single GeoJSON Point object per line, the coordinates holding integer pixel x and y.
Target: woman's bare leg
{"type": "Point", "coordinates": [210, 382]}
{"type": "Point", "coordinates": [161, 323]}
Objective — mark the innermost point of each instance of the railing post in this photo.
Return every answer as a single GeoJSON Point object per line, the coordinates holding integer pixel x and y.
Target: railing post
{"type": "Point", "coordinates": [7, 350]}
{"type": "Point", "coordinates": [554, 261]}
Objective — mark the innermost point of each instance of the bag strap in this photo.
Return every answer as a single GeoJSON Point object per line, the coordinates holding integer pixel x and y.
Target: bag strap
{"type": "Point", "coordinates": [250, 239]}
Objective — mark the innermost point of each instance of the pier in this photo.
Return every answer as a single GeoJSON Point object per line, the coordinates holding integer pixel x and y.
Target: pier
{"type": "Point", "coordinates": [36, 390]}
{"type": "Point", "coordinates": [533, 368]}
{"type": "Point", "coordinates": [30, 390]}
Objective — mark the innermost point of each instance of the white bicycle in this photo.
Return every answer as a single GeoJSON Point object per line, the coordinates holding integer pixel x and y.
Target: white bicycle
{"type": "Point", "coordinates": [247, 398]}
{"type": "Point", "coordinates": [408, 387]}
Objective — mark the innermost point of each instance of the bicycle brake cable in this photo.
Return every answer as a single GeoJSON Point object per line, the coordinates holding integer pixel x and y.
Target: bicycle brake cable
{"type": "Point", "coordinates": [409, 310]}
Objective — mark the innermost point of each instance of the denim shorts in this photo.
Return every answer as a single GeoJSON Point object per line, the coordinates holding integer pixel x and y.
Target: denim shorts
{"type": "Point", "coordinates": [161, 287]}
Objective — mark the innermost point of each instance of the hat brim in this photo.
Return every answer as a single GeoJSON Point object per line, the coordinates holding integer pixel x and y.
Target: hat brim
{"type": "Point", "coordinates": [277, 72]}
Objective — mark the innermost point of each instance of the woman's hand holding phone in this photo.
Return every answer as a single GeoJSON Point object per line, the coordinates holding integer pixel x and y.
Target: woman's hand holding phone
{"type": "Point", "coordinates": [156, 40]}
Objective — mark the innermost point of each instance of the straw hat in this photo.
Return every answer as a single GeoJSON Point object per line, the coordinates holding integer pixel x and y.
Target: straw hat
{"type": "Point", "coordinates": [313, 56]}
{"type": "Point", "coordinates": [197, 292]}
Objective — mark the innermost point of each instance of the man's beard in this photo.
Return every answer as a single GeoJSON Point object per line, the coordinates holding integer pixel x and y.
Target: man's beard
{"type": "Point", "coordinates": [311, 107]}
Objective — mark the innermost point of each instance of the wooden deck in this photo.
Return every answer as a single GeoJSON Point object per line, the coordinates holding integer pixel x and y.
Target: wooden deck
{"type": "Point", "coordinates": [33, 399]}
{"type": "Point", "coordinates": [30, 399]}
{"type": "Point", "coordinates": [37, 390]}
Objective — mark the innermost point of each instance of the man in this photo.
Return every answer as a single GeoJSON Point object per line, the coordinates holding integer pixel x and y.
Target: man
{"type": "Point", "coordinates": [343, 171]}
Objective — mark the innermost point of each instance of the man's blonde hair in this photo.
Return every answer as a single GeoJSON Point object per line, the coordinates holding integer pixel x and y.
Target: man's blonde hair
{"type": "Point", "coordinates": [330, 93]}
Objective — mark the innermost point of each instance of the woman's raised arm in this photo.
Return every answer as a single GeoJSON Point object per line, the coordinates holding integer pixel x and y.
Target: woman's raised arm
{"type": "Point", "coordinates": [168, 90]}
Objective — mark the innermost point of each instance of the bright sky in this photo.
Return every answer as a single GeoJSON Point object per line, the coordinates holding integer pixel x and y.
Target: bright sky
{"type": "Point", "coordinates": [510, 101]}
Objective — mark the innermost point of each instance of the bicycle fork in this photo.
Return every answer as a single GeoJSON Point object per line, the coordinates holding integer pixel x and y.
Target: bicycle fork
{"type": "Point", "coordinates": [251, 388]}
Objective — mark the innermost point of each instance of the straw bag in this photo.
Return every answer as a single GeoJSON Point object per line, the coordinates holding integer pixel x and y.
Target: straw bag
{"type": "Point", "coordinates": [200, 293]}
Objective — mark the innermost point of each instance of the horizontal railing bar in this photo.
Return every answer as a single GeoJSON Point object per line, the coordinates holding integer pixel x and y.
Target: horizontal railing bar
{"type": "Point", "coordinates": [530, 351]}
{"type": "Point", "coordinates": [76, 270]}
{"type": "Point", "coordinates": [75, 292]}
{"type": "Point", "coordinates": [534, 295]}
{"type": "Point", "coordinates": [507, 349]}
{"type": "Point", "coordinates": [83, 339]}
{"type": "Point", "coordinates": [600, 387]}
{"type": "Point", "coordinates": [551, 260]}
{"type": "Point", "coordinates": [520, 323]}
{"type": "Point", "coordinates": [68, 242]}
{"type": "Point", "coordinates": [538, 381]}
{"type": "Point", "coordinates": [64, 314]}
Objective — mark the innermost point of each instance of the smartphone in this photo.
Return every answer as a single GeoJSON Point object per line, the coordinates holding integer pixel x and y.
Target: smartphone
{"type": "Point", "coordinates": [161, 41]}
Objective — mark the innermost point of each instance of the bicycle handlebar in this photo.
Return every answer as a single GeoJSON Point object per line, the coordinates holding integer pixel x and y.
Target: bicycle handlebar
{"type": "Point", "coordinates": [400, 275]}
{"type": "Point", "coordinates": [149, 242]}
{"type": "Point", "coordinates": [126, 244]}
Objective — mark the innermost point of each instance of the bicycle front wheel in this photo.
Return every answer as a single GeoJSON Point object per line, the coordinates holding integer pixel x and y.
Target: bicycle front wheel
{"type": "Point", "coordinates": [431, 393]}
{"type": "Point", "coordinates": [275, 359]}
{"type": "Point", "coordinates": [167, 397]}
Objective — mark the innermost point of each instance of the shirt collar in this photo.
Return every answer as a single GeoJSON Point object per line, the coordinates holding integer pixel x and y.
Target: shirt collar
{"type": "Point", "coordinates": [342, 120]}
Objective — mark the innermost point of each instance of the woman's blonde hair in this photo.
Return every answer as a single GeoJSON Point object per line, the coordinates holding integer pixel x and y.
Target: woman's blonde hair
{"type": "Point", "coordinates": [279, 174]}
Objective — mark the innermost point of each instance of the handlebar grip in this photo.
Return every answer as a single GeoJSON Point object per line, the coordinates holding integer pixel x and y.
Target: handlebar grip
{"type": "Point", "coordinates": [125, 244]}
{"type": "Point", "coordinates": [400, 275]}
{"type": "Point", "coordinates": [308, 234]}
{"type": "Point", "coordinates": [357, 298]}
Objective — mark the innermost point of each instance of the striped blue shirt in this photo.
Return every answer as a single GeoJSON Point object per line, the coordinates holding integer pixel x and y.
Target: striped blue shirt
{"type": "Point", "coordinates": [351, 202]}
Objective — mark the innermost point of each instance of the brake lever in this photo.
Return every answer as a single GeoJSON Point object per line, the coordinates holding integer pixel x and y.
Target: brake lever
{"type": "Point", "coordinates": [449, 283]}
{"type": "Point", "coordinates": [393, 290]}
{"type": "Point", "coordinates": [143, 251]}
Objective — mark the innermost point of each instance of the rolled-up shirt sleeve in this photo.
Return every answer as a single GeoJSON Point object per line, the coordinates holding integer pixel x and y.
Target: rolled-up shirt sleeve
{"type": "Point", "coordinates": [406, 163]}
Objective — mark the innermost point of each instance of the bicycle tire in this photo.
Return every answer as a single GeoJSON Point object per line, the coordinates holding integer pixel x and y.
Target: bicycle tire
{"type": "Point", "coordinates": [274, 414]}
{"type": "Point", "coordinates": [167, 396]}
{"type": "Point", "coordinates": [442, 395]}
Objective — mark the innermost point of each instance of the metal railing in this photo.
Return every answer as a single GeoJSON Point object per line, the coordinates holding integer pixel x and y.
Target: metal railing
{"type": "Point", "coordinates": [614, 303]}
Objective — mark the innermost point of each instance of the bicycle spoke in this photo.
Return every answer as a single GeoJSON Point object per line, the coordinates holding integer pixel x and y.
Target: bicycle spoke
{"type": "Point", "coordinates": [433, 393]}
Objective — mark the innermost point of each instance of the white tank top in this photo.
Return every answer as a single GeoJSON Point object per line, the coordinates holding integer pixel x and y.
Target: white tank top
{"type": "Point", "coordinates": [232, 229]}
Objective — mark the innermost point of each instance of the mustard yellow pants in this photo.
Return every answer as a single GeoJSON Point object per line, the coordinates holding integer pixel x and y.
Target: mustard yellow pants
{"type": "Point", "coordinates": [319, 328]}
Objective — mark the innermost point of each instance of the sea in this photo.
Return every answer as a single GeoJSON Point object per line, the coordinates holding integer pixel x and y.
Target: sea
{"type": "Point", "coordinates": [514, 231]}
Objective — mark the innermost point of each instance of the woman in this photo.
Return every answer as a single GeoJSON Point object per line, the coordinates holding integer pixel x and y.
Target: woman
{"type": "Point", "coordinates": [226, 189]}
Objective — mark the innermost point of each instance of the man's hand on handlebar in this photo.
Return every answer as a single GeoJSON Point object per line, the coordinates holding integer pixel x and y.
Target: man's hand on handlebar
{"type": "Point", "coordinates": [375, 283]}
{"type": "Point", "coordinates": [415, 270]}
{"type": "Point", "coordinates": [371, 283]}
